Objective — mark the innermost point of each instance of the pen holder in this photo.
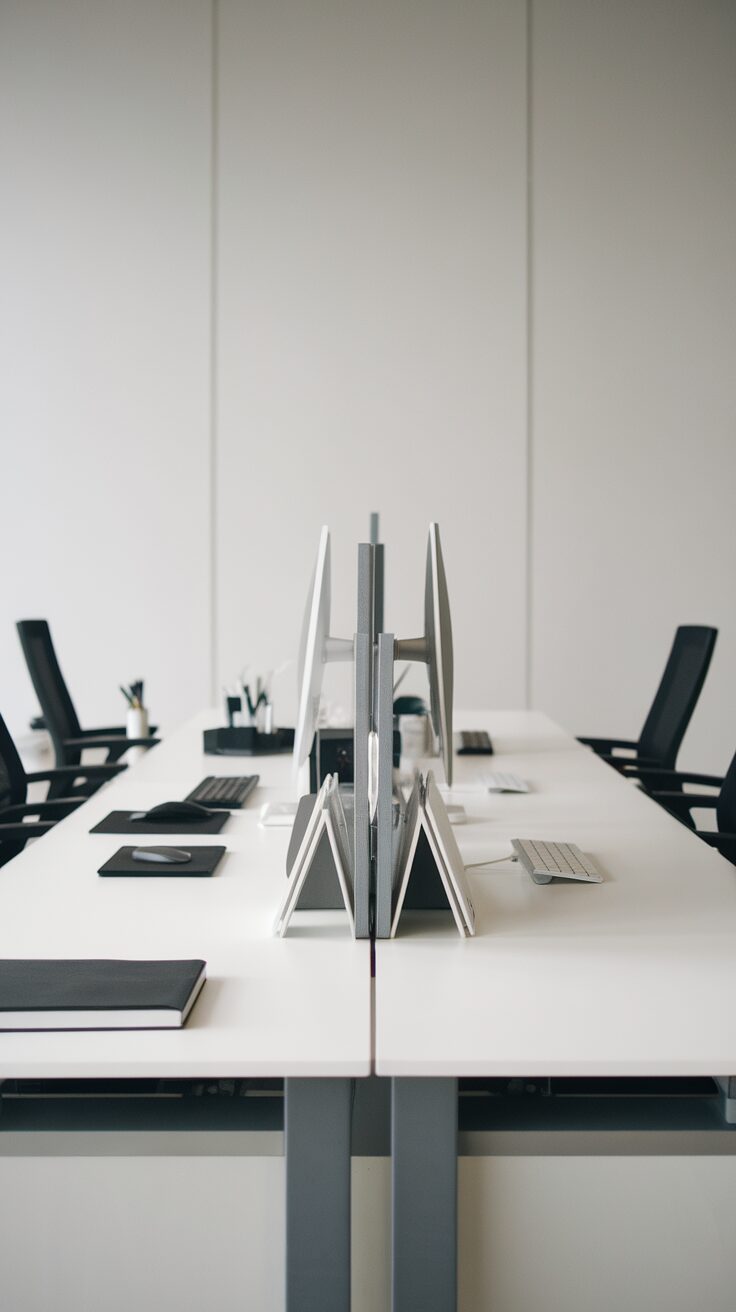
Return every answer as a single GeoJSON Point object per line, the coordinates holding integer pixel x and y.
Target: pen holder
{"type": "Point", "coordinates": [136, 726]}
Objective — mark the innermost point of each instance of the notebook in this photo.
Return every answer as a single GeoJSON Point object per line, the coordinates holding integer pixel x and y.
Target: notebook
{"type": "Point", "coordinates": [89, 994]}
{"type": "Point", "coordinates": [204, 862]}
{"type": "Point", "coordinates": [426, 812]}
{"type": "Point", "coordinates": [327, 816]}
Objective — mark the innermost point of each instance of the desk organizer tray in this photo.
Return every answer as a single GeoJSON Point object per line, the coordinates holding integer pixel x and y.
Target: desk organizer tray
{"type": "Point", "coordinates": [245, 741]}
{"type": "Point", "coordinates": [119, 822]}
{"type": "Point", "coordinates": [204, 862]}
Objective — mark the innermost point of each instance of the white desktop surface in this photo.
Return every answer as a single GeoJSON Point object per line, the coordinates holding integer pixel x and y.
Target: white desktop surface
{"type": "Point", "coordinates": [298, 1006]}
{"type": "Point", "coordinates": [635, 976]}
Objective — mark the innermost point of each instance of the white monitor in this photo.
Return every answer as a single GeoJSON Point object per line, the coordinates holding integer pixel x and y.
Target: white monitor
{"type": "Point", "coordinates": [315, 650]}
{"type": "Point", "coordinates": [435, 647]}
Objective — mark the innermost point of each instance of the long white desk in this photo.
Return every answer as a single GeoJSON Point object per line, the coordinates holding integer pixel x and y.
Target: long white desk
{"type": "Point", "coordinates": [298, 1007]}
{"type": "Point", "coordinates": [631, 977]}
{"type": "Point", "coordinates": [635, 976]}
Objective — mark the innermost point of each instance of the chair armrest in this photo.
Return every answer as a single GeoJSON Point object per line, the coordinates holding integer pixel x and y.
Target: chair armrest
{"type": "Point", "coordinates": [105, 770]}
{"type": "Point", "coordinates": [677, 802]}
{"type": "Point", "coordinates": [112, 731]}
{"type": "Point", "coordinates": [58, 808]}
{"type": "Point", "coordinates": [19, 833]}
{"type": "Point", "coordinates": [116, 740]}
{"type": "Point", "coordinates": [607, 745]}
{"type": "Point", "coordinates": [651, 777]}
{"type": "Point", "coordinates": [109, 731]}
{"type": "Point", "coordinates": [625, 764]}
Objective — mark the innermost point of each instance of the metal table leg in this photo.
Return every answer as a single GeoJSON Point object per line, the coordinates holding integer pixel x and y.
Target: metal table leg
{"type": "Point", "coordinates": [317, 1151]}
{"type": "Point", "coordinates": [424, 1188]}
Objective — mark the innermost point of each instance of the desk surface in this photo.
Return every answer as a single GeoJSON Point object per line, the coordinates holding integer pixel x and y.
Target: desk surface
{"type": "Point", "coordinates": [635, 976]}
{"type": "Point", "coordinates": [298, 1006]}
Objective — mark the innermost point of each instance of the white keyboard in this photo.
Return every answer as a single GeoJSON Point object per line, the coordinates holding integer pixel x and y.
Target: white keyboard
{"type": "Point", "coordinates": [502, 782]}
{"type": "Point", "coordinates": [545, 861]}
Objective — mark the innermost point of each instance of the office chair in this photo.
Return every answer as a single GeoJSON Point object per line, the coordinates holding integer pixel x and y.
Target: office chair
{"type": "Point", "coordinates": [15, 827]}
{"type": "Point", "coordinates": [665, 787]}
{"type": "Point", "coordinates": [67, 735]}
{"type": "Point", "coordinates": [673, 705]}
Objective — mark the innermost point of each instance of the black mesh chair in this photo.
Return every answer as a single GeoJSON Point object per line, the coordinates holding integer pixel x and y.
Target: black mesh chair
{"type": "Point", "coordinates": [67, 735]}
{"type": "Point", "coordinates": [665, 786]}
{"type": "Point", "coordinates": [672, 708]}
{"type": "Point", "coordinates": [17, 823]}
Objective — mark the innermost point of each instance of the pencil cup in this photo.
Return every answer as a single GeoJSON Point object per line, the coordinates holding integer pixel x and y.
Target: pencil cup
{"type": "Point", "coordinates": [136, 726]}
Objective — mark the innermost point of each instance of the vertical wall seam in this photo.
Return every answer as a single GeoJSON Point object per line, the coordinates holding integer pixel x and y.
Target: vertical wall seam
{"type": "Point", "coordinates": [213, 275]}
{"type": "Point", "coordinates": [529, 356]}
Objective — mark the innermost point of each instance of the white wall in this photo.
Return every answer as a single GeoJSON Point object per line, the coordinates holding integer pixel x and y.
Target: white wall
{"type": "Point", "coordinates": [226, 321]}
{"type": "Point", "coordinates": [633, 330]}
{"type": "Point", "coordinates": [371, 317]}
{"type": "Point", "coordinates": [104, 347]}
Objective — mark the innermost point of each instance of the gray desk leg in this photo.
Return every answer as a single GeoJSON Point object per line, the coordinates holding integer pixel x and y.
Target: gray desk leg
{"type": "Point", "coordinates": [727, 1086]}
{"type": "Point", "coordinates": [424, 1188]}
{"type": "Point", "coordinates": [317, 1151]}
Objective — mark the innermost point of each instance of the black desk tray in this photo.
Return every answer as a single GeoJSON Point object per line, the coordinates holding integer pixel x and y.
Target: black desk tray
{"type": "Point", "coordinates": [119, 822]}
{"type": "Point", "coordinates": [247, 742]}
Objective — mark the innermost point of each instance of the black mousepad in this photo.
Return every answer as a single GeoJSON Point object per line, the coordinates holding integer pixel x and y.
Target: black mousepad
{"type": "Point", "coordinates": [204, 862]}
{"type": "Point", "coordinates": [119, 822]}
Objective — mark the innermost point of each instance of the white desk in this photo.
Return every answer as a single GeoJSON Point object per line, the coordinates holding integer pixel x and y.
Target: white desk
{"type": "Point", "coordinates": [295, 1007]}
{"type": "Point", "coordinates": [635, 976]}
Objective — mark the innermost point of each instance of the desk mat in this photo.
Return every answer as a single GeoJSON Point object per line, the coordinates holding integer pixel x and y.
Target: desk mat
{"type": "Point", "coordinates": [119, 822]}
{"type": "Point", "coordinates": [204, 862]}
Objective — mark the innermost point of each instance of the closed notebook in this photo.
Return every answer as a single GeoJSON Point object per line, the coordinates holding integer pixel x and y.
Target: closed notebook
{"type": "Point", "coordinates": [203, 863]}
{"type": "Point", "coordinates": [55, 994]}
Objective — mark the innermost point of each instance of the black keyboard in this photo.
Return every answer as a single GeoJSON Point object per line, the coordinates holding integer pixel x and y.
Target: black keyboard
{"type": "Point", "coordinates": [474, 742]}
{"type": "Point", "coordinates": [225, 791]}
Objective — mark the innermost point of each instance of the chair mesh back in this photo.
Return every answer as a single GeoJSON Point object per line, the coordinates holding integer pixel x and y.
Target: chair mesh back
{"type": "Point", "coordinates": [13, 786]}
{"type": "Point", "coordinates": [726, 808]}
{"type": "Point", "coordinates": [678, 693]}
{"type": "Point", "coordinates": [48, 681]}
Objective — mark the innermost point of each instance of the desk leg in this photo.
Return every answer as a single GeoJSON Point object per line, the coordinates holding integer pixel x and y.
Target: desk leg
{"type": "Point", "coordinates": [317, 1151]}
{"type": "Point", "coordinates": [424, 1190]}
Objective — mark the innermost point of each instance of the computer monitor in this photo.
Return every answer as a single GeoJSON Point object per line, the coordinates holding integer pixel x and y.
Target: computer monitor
{"type": "Point", "coordinates": [435, 647]}
{"type": "Point", "coordinates": [315, 650]}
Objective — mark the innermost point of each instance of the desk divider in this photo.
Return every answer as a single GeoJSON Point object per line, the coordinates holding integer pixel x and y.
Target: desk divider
{"type": "Point", "coordinates": [384, 691]}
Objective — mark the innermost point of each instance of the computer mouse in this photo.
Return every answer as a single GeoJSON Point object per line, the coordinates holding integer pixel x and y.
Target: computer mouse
{"type": "Point", "coordinates": [175, 813]}
{"type": "Point", "coordinates": [167, 856]}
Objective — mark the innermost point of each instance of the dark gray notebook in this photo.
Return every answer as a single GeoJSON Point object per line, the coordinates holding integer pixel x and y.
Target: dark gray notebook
{"type": "Point", "coordinates": [38, 994]}
{"type": "Point", "coordinates": [119, 822]}
{"type": "Point", "coordinates": [204, 862]}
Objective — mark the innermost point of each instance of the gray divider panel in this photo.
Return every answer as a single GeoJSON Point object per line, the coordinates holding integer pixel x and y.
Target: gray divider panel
{"type": "Point", "coordinates": [361, 817]}
{"type": "Point", "coordinates": [363, 708]}
{"type": "Point", "coordinates": [370, 619]}
{"type": "Point", "coordinates": [378, 571]}
{"type": "Point", "coordinates": [384, 711]}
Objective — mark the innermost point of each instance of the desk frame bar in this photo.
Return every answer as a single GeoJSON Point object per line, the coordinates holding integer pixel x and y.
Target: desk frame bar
{"type": "Point", "coordinates": [317, 1151]}
{"type": "Point", "coordinates": [424, 1194]}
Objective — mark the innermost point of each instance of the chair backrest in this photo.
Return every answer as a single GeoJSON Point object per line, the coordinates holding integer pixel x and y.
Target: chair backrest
{"type": "Point", "coordinates": [48, 681]}
{"type": "Point", "coordinates": [677, 694]}
{"type": "Point", "coordinates": [13, 787]}
{"type": "Point", "coordinates": [726, 806]}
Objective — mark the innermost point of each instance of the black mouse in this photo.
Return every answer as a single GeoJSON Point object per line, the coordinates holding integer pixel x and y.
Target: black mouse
{"type": "Point", "coordinates": [187, 813]}
{"type": "Point", "coordinates": [164, 855]}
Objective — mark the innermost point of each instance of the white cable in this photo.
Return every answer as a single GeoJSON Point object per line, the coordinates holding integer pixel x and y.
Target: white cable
{"type": "Point", "coordinates": [492, 861]}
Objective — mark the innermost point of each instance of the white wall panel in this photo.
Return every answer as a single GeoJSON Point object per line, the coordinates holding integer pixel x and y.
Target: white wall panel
{"type": "Point", "coordinates": [633, 380]}
{"type": "Point", "coordinates": [371, 319]}
{"type": "Point", "coordinates": [104, 347]}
